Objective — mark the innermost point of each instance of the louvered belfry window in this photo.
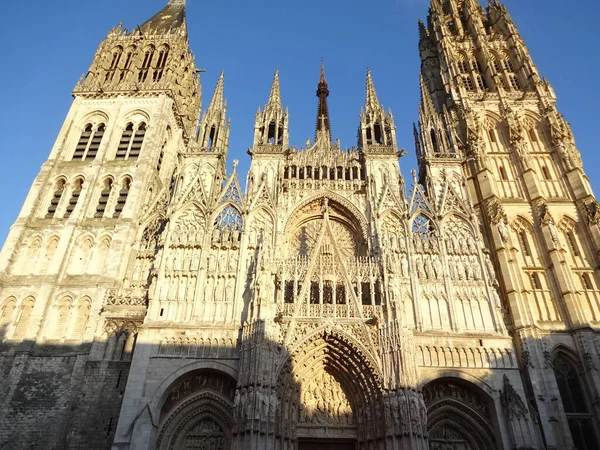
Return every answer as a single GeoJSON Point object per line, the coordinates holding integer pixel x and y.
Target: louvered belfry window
{"type": "Point", "coordinates": [131, 141]}
{"type": "Point", "coordinates": [89, 142]}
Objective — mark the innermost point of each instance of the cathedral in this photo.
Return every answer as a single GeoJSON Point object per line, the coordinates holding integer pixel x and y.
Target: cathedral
{"type": "Point", "coordinates": [150, 301]}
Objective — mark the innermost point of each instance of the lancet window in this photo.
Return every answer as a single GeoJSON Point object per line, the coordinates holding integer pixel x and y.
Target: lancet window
{"type": "Point", "coordinates": [104, 198]}
{"type": "Point", "coordinates": [146, 63]}
{"type": "Point", "coordinates": [54, 202]}
{"type": "Point", "coordinates": [89, 142]}
{"type": "Point", "coordinates": [117, 53]}
{"type": "Point", "coordinates": [122, 198]}
{"type": "Point", "coordinates": [574, 400]}
{"type": "Point", "coordinates": [131, 141]}
{"type": "Point", "coordinates": [163, 55]}
{"type": "Point", "coordinates": [77, 187]}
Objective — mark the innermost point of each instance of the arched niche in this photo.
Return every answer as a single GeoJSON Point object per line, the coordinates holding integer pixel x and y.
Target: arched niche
{"type": "Point", "coordinates": [197, 412]}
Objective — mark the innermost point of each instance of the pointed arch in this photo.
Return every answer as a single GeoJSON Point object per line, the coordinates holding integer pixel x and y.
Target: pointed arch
{"type": "Point", "coordinates": [23, 319]}
{"type": "Point", "coordinates": [7, 312]}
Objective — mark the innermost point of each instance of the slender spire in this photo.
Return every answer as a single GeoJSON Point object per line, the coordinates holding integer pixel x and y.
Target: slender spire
{"type": "Point", "coordinates": [323, 110]}
{"type": "Point", "coordinates": [217, 101]}
{"type": "Point", "coordinates": [426, 101]}
{"type": "Point", "coordinates": [372, 100]}
{"type": "Point", "coordinates": [275, 95]}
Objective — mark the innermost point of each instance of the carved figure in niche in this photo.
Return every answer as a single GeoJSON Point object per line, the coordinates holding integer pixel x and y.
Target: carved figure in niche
{"type": "Point", "coordinates": [553, 232]}
{"type": "Point", "coordinates": [503, 231]}
{"type": "Point", "coordinates": [438, 268]}
{"type": "Point", "coordinates": [187, 259]}
{"type": "Point", "coordinates": [452, 268]}
{"type": "Point", "coordinates": [164, 292]}
{"type": "Point", "coordinates": [490, 270]}
{"type": "Point", "coordinates": [404, 266]}
{"type": "Point", "coordinates": [232, 265]}
{"type": "Point", "coordinates": [195, 265]}
{"type": "Point", "coordinates": [471, 245]}
{"type": "Point", "coordinates": [222, 264]}
{"type": "Point", "coordinates": [401, 243]}
{"type": "Point", "coordinates": [450, 245]}
{"type": "Point", "coordinates": [181, 291]}
{"type": "Point", "coordinates": [476, 270]}
{"type": "Point", "coordinates": [391, 263]}
{"type": "Point", "coordinates": [212, 263]}
{"type": "Point", "coordinates": [229, 292]}
{"type": "Point", "coordinates": [460, 269]}
{"type": "Point", "coordinates": [169, 263]}
{"type": "Point", "coordinates": [218, 295]}
{"type": "Point", "coordinates": [420, 268]}
{"type": "Point", "coordinates": [468, 270]}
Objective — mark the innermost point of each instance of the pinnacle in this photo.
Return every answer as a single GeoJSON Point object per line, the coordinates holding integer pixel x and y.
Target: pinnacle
{"type": "Point", "coordinates": [372, 99]}
{"type": "Point", "coordinates": [217, 101]}
{"type": "Point", "coordinates": [275, 95]}
{"type": "Point", "coordinates": [177, 2]}
{"type": "Point", "coordinates": [426, 100]}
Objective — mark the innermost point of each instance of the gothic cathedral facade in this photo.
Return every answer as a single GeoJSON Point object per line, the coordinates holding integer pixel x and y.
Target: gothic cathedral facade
{"type": "Point", "coordinates": [147, 301]}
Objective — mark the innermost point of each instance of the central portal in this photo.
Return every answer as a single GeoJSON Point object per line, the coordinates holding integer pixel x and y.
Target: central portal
{"type": "Point", "coordinates": [326, 444]}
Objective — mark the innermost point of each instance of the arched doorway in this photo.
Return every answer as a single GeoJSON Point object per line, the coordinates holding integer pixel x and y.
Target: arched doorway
{"type": "Point", "coordinates": [328, 393]}
{"type": "Point", "coordinates": [460, 416]}
{"type": "Point", "coordinates": [197, 413]}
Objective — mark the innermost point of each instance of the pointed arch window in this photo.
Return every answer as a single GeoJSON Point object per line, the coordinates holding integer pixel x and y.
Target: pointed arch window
{"type": "Point", "coordinates": [524, 241]}
{"type": "Point", "coordinates": [77, 187]}
{"type": "Point", "coordinates": [434, 142]}
{"type": "Point", "coordinates": [122, 198]}
{"type": "Point", "coordinates": [536, 283]}
{"type": "Point", "coordinates": [586, 281]}
{"type": "Point", "coordinates": [163, 55]}
{"type": "Point", "coordinates": [127, 64]}
{"type": "Point", "coordinates": [61, 317]}
{"type": "Point", "coordinates": [131, 141]}
{"type": "Point", "coordinates": [89, 142]}
{"type": "Point", "coordinates": [146, 64]}
{"type": "Point", "coordinates": [230, 218]}
{"type": "Point", "coordinates": [378, 133]}
{"type": "Point", "coordinates": [503, 174]}
{"type": "Point", "coordinates": [161, 156]}
{"type": "Point", "coordinates": [104, 197]}
{"type": "Point", "coordinates": [572, 240]}
{"type": "Point", "coordinates": [117, 53]}
{"type": "Point", "coordinates": [54, 202]}
{"type": "Point", "coordinates": [423, 227]}
{"type": "Point", "coordinates": [6, 316]}
{"type": "Point", "coordinates": [573, 396]}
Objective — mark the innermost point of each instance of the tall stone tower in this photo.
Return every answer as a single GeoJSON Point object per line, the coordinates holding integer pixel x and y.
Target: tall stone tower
{"type": "Point", "coordinates": [74, 276]}
{"type": "Point", "coordinates": [487, 114]}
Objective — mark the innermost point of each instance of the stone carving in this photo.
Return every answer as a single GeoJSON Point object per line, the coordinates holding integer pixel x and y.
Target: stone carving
{"type": "Point", "coordinates": [324, 402]}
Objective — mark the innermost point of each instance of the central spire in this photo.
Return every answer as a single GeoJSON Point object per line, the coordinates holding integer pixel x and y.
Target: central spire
{"type": "Point", "coordinates": [323, 124]}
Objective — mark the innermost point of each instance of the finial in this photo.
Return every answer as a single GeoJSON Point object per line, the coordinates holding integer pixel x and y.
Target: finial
{"type": "Point", "coordinates": [322, 79]}
{"type": "Point", "coordinates": [235, 164]}
{"type": "Point", "coordinates": [177, 2]}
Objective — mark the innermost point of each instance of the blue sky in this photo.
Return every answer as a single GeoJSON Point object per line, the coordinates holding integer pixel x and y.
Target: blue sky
{"type": "Point", "coordinates": [48, 45]}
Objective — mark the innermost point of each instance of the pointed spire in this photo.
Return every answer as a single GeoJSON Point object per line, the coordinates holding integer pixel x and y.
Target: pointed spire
{"type": "Point", "coordinates": [217, 101]}
{"type": "Point", "coordinates": [169, 19]}
{"type": "Point", "coordinates": [322, 109]}
{"type": "Point", "coordinates": [275, 95]}
{"type": "Point", "coordinates": [372, 100]}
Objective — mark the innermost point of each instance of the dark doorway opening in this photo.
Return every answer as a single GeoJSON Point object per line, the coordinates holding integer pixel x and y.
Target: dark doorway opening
{"type": "Point", "coordinates": [326, 444]}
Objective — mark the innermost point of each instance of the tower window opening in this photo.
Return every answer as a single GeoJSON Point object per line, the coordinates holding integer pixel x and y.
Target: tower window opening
{"type": "Point", "coordinates": [587, 282]}
{"type": "Point", "coordinates": [481, 83]}
{"type": "Point", "coordinates": [122, 198]}
{"type": "Point", "coordinates": [125, 141]}
{"type": "Point", "coordinates": [138, 140]}
{"type": "Point", "coordinates": [573, 243]}
{"type": "Point", "coordinates": [492, 135]}
{"type": "Point", "coordinates": [286, 173]}
{"type": "Point", "coordinates": [58, 192]}
{"type": "Point", "coordinates": [434, 142]}
{"type": "Point", "coordinates": [348, 173]}
{"type": "Point", "coordinates": [163, 54]}
{"type": "Point", "coordinates": [378, 133]}
{"type": "Point", "coordinates": [463, 67]}
{"type": "Point", "coordinates": [212, 137]}
{"type": "Point", "coordinates": [280, 136]}
{"type": "Point", "coordinates": [355, 173]}
{"type": "Point", "coordinates": [514, 82]}
{"type": "Point", "coordinates": [468, 83]}
{"type": "Point", "coordinates": [301, 173]}
{"type": "Point", "coordinates": [77, 186]}
{"type": "Point", "coordinates": [546, 173]}
{"type": "Point", "coordinates": [340, 294]}
{"type": "Point", "coordinates": [271, 133]}
{"type": "Point", "coordinates": [324, 172]}
{"type": "Point", "coordinates": [160, 158]}
{"type": "Point", "coordinates": [332, 173]}
{"type": "Point", "coordinates": [95, 143]}
{"type": "Point", "coordinates": [340, 173]}
{"type": "Point", "coordinates": [309, 173]}
{"type": "Point", "coordinates": [524, 243]}
{"type": "Point", "coordinates": [535, 282]}
{"type": "Point", "coordinates": [377, 293]}
{"type": "Point", "coordinates": [369, 136]}
{"type": "Point", "coordinates": [126, 66]}
{"type": "Point", "coordinates": [84, 140]}
{"type": "Point", "coordinates": [508, 65]}
{"type": "Point", "coordinates": [294, 171]}
{"type": "Point", "coordinates": [533, 135]}
{"type": "Point", "coordinates": [104, 197]}
{"type": "Point", "coordinates": [146, 63]}
{"type": "Point", "coordinates": [503, 175]}
{"type": "Point", "coordinates": [316, 173]}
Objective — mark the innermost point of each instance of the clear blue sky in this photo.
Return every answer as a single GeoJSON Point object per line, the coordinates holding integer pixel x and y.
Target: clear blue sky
{"type": "Point", "coordinates": [49, 44]}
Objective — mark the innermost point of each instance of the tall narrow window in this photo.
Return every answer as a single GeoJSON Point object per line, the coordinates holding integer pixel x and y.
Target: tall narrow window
{"type": "Point", "coordinates": [160, 157]}
{"type": "Point", "coordinates": [163, 54]}
{"type": "Point", "coordinates": [114, 64]}
{"type": "Point", "coordinates": [131, 141]}
{"type": "Point", "coordinates": [586, 281]}
{"type": "Point", "coordinates": [378, 133]}
{"type": "Point", "coordinates": [125, 142]}
{"type": "Point", "coordinates": [546, 173]}
{"type": "Point", "coordinates": [138, 140]}
{"type": "Point", "coordinates": [492, 135]}
{"type": "Point", "coordinates": [77, 186]}
{"type": "Point", "coordinates": [524, 243]}
{"type": "Point", "coordinates": [573, 398]}
{"type": "Point", "coordinates": [58, 192]}
{"type": "Point", "coordinates": [104, 197]}
{"type": "Point", "coordinates": [95, 143]}
{"type": "Point", "coordinates": [23, 319]}
{"type": "Point", "coordinates": [6, 316]}
{"type": "Point", "coordinates": [146, 64]}
{"type": "Point", "coordinates": [573, 243]}
{"type": "Point", "coordinates": [503, 175]}
{"type": "Point", "coordinates": [122, 199]}
{"type": "Point", "coordinates": [434, 142]}
{"type": "Point", "coordinates": [126, 65]}
{"type": "Point", "coordinates": [83, 143]}
{"type": "Point", "coordinates": [536, 285]}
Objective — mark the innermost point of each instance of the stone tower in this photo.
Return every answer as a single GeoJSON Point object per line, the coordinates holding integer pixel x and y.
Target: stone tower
{"type": "Point", "coordinates": [74, 276]}
{"type": "Point", "coordinates": [148, 302]}
{"type": "Point", "coordinates": [487, 114]}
